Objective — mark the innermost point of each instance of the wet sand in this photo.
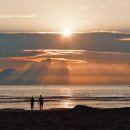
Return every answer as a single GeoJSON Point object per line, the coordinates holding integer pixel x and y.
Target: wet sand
{"type": "Point", "coordinates": [78, 118]}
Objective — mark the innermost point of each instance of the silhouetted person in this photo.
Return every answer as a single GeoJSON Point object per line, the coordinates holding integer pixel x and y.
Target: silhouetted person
{"type": "Point", "coordinates": [32, 102]}
{"type": "Point", "coordinates": [41, 102]}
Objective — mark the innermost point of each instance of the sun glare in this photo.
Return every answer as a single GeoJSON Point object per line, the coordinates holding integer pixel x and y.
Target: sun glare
{"type": "Point", "coordinates": [67, 32]}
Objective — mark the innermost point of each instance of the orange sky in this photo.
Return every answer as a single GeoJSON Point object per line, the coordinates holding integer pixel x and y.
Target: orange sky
{"type": "Point", "coordinates": [57, 15]}
{"type": "Point", "coordinates": [64, 42]}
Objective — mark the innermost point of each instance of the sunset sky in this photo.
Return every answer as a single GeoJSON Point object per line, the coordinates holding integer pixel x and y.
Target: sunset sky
{"type": "Point", "coordinates": [64, 42]}
{"type": "Point", "coordinates": [56, 15]}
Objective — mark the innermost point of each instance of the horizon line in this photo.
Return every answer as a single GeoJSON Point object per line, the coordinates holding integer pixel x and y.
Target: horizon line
{"type": "Point", "coordinates": [40, 32]}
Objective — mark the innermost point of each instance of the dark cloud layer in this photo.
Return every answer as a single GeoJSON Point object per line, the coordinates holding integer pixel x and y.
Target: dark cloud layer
{"type": "Point", "coordinates": [96, 41]}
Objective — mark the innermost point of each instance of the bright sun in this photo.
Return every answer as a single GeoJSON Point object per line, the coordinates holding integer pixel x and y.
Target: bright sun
{"type": "Point", "coordinates": [67, 32]}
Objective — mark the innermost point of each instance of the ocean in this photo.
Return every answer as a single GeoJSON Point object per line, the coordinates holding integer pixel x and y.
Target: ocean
{"type": "Point", "coordinates": [65, 96]}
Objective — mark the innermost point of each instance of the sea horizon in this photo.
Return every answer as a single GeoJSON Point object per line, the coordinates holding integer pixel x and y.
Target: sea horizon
{"type": "Point", "coordinates": [64, 96]}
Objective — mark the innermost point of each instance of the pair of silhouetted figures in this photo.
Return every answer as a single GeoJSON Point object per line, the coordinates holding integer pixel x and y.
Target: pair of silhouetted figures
{"type": "Point", "coordinates": [40, 102]}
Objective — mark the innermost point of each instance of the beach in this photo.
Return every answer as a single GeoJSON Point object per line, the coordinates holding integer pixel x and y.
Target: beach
{"type": "Point", "coordinates": [64, 65]}
{"type": "Point", "coordinates": [78, 118]}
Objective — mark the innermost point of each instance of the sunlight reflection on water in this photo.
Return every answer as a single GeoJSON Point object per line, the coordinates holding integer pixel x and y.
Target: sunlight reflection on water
{"type": "Point", "coordinates": [65, 96]}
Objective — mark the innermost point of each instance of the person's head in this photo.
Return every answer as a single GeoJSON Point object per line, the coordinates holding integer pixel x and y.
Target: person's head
{"type": "Point", "coordinates": [40, 95]}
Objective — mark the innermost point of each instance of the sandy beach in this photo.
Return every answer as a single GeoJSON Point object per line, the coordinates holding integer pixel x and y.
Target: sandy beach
{"type": "Point", "coordinates": [78, 118]}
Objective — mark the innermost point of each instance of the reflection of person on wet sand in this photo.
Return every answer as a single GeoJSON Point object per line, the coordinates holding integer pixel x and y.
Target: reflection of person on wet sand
{"type": "Point", "coordinates": [40, 102]}
{"type": "Point", "coordinates": [32, 102]}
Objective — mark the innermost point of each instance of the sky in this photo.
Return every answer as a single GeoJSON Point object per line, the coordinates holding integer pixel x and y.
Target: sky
{"type": "Point", "coordinates": [34, 50]}
{"type": "Point", "coordinates": [82, 58]}
{"type": "Point", "coordinates": [56, 15]}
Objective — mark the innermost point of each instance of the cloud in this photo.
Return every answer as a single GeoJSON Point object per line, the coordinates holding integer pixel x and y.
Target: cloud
{"type": "Point", "coordinates": [124, 39]}
{"type": "Point", "coordinates": [53, 52]}
{"type": "Point", "coordinates": [6, 73]}
{"type": "Point", "coordinates": [70, 57]}
{"type": "Point", "coordinates": [45, 72]}
{"type": "Point", "coordinates": [6, 76]}
{"type": "Point", "coordinates": [84, 7]}
{"type": "Point", "coordinates": [83, 58]}
{"type": "Point", "coordinates": [57, 71]}
{"type": "Point", "coordinates": [17, 16]}
{"type": "Point", "coordinates": [17, 53]}
{"type": "Point", "coordinates": [94, 41]}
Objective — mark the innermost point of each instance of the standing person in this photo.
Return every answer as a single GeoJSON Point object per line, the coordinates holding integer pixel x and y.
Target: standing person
{"type": "Point", "coordinates": [32, 103]}
{"type": "Point", "coordinates": [41, 102]}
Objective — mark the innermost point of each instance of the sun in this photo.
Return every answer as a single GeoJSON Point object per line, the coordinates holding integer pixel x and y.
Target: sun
{"type": "Point", "coordinates": [67, 32]}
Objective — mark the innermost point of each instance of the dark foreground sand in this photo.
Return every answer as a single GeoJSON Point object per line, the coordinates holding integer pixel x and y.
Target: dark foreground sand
{"type": "Point", "coordinates": [79, 118]}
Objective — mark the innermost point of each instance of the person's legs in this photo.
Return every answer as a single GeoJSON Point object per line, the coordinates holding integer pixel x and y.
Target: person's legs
{"type": "Point", "coordinates": [32, 106]}
{"type": "Point", "coordinates": [41, 106]}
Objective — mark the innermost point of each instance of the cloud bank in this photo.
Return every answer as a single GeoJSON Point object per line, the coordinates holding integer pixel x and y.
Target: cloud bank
{"type": "Point", "coordinates": [84, 58]}
{"type": "Point", "coordinates": [17, 16]}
